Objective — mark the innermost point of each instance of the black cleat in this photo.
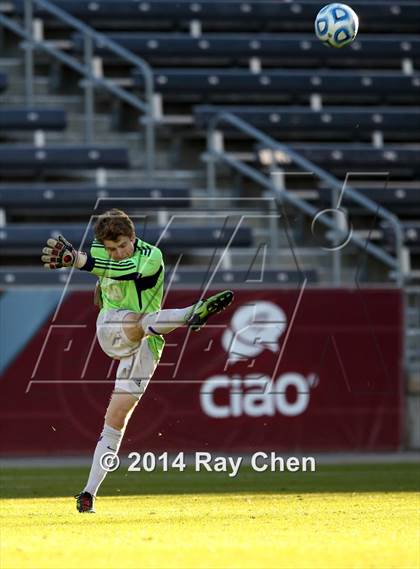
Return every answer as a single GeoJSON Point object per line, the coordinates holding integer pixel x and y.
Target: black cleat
{"type": "Point", "coordinates": [85, 503]}
{"type": "Point", "coordinates": [206, 308]}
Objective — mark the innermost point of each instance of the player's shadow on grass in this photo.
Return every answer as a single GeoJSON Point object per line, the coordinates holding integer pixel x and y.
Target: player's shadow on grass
{"type": "Point", "coordinates": [64, 482]}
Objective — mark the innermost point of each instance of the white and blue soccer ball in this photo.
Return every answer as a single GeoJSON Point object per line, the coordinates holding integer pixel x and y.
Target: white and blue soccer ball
{"type": "Point", "coordinates": [336, 25]}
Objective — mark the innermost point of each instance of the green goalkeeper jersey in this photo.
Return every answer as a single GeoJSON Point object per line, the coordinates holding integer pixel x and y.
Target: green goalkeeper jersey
{"type": "Point", "coordinates": [133, 284]}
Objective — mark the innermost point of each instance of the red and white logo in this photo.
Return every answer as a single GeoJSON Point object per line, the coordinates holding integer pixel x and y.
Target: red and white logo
{"type": "Point", "coordinates": [254, 328]}
{"type": "Point", "coordinates": [222, 396]}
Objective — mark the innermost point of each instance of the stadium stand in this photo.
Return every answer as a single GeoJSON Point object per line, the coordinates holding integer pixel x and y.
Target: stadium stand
{"type": "Point", "coordinates": [402, 200]}
{"type": "Point", "coordinates": [217, 14]}
{"type": "Point", "coordinates": [83, 198]}
{"type": "Point", "coordinates": [355, 108]}
{"type": "Point", "coordinates": [32, 119]}
{"type": "Point", "coordinates": [411, 235]}
{"type": "Point", "coordinates": [62, 157]}
{"type": "Point", "coordinates": [20, 276]}
{"type": "Point", "coordinates": [392, 119]}
{"type": "Point", "coordinates": [348, 123]}
{"type": "Point", "coordinates": [25, 237]}
{"type": "Point", "coordinates": [241, 82]}
{"type": "Point", "coordinates": [293, 49]}
{"type": "Point", "coordinates": [399, 160]}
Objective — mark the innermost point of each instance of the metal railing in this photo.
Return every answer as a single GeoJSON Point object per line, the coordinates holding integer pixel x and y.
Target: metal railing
{"type": "Point", "coordinates": [215, 153]}
{"type": "Point", "coordinates": [412, 332]}
{"type": "Point", "coordinates": [85, 69]}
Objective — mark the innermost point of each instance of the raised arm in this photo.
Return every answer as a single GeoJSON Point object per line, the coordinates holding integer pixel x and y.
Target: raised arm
{"type": "Point", "coordinates": [60, 253]}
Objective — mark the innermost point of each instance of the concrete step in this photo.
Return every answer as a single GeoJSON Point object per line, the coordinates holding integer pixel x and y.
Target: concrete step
{"type": "Point", "coordinates": [61, 101]}
{"type": "Point", "coordinates": [17, 86]}
{"type": "Point", "coordinates": [11, 65]}
{"type": "Point", "coordinates": [76, 122]}
{"type": "Point", "coordinates": [162, 175]}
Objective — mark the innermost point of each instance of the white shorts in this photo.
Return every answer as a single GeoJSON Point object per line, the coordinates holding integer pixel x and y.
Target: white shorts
{"type": "Point", "coordinates": [137, 362]}
{"type": "Point", "coordinates": [135, 371]}
{"type": "Point", "coordinates": [111, 335]}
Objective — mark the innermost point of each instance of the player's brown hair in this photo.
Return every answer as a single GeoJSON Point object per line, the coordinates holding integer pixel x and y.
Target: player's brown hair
{"type": "Point", "coordinates": [112, 224]}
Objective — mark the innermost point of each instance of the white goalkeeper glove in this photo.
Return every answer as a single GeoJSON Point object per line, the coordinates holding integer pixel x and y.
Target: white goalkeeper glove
{"type": "Point", "coordinates": [60, 253]}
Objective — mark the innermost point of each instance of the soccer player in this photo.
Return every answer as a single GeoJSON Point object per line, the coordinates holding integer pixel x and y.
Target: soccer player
{"type": "Point", "coordinates": [130, 325]}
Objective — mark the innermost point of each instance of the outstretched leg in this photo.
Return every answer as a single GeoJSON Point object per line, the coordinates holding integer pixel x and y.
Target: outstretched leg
{"type": "Point", "coordinates": [164, 321]}
{"type": "Point", "coordinates": [136, 326]}
{"type": "Point", "coordinates": [209, 307]}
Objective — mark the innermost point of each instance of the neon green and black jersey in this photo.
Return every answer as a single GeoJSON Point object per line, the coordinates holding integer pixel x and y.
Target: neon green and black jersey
{"type": "Point", "coordinates": [133, 284]}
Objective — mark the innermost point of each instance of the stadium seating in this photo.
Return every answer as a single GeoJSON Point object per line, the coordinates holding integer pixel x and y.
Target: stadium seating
{"type": "Point", "coordinates": [349, 122]}
{"type": "Point", "coordinates": [293, 48]}
{"type": "Point", "coordinates": [3, 82]}
{"type": "Point", "coordinates": [32, 119]}
{"type": "Point", "coordinates": [402, 200]}
{"type": "Point", "coordinates": [411, 231]}
{"type": "Point", "coordinates": [21, 276]}
{"type": "Point", "coordinates": [379, 84]}
{"type": "Point", "coordinates": [70, 197]}
{"type": "Point", "coordinates": [262, 62]}
{"type": "Point", "coordinates": [62, 157]}
{"type": "Point", "coordinates": [25, 238]}
{"type": "Point", "coordinates": [399, 160]}
{"type": "Point", "coordinates": [250, 14]}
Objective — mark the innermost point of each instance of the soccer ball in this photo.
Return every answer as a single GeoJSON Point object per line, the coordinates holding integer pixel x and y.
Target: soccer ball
{"type": "Point", "coordinates": [336, 25]}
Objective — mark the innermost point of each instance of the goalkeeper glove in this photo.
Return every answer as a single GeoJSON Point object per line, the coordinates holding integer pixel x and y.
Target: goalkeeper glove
{"type": "Point", "coordinates": [59, 253]}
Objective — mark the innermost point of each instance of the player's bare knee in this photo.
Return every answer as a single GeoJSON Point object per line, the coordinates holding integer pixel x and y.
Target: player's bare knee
{"type": "Point", "coordinates": [131, 327]}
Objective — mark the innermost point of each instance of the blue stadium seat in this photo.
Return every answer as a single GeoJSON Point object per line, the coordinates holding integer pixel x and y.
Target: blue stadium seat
{"type": "Point", "coordinates": [250, 13]}
{"type": "Point", "coordinates": [27, 238]}
{"type": "Point", "coordinates": [283, 81]}
{"type": "Point", "coordinates": [349, 120]}
{"type": "Point", "coordinates": [24, 276]}
{"type": "Point", "coordinates": [355, 154]}
{"type": "Point", "coordinates": [290, 47]}
{"type": "Point", "coordinates": [3, 81]}
{"type": "Point", "coordinates": [32, 119]}
{"type": "Point", "coordinates": [70, 197]}
{"type": "Point", "coordinates": [14, 157]}
{"type": "Point", "coordinates": [396, 159]}
{"type": "Point", "coordinates": [401, 201]}
{"type": "Point", "coordinates": [411, 232]}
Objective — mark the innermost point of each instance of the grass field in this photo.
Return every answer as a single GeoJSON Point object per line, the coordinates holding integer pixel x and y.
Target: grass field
{"type": "Point", "coordinates": [358, 516]}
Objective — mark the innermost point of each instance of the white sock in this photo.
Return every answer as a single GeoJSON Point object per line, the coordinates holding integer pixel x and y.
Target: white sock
{"type": "Point", "coordinates": [165, 321]}
{"type": "Point", "coordinates": [109, 441]}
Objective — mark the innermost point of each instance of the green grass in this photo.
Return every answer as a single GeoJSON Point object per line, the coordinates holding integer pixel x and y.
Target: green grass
{"type": "Point", "coordinates": [359, 516]}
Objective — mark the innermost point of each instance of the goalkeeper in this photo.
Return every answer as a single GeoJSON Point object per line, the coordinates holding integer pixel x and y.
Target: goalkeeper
{"type": "Point", "coordinates": [131, 324]}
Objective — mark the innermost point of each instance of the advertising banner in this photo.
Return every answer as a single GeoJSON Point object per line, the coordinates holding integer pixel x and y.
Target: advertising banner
{"type": "Point", "coordinates": [299, 370]}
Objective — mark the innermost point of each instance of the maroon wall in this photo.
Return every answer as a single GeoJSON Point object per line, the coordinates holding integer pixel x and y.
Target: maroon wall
{"type": "Point", "coordinates": [313, 371]}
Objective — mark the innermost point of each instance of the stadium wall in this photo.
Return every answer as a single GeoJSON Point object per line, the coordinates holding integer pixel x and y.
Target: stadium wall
{"type": "Point", "coordinates": [316, 369]}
